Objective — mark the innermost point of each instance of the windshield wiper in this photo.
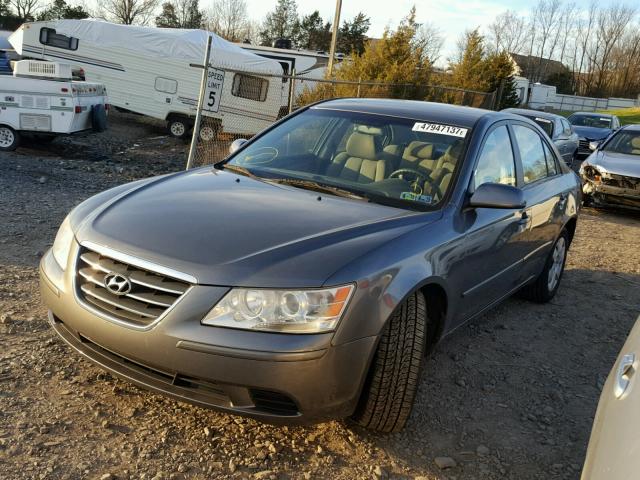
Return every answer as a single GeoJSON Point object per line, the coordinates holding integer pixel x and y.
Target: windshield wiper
{"type": "Point", "coordinates": [318, 187]}
{"type": "Point", "coordinates": [236, 169]}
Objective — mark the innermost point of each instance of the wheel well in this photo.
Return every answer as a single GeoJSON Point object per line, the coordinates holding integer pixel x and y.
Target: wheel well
{"type": "Point", "coordinates": [570, 226]}
{"type": "Point", "coordinates": [437, 304]}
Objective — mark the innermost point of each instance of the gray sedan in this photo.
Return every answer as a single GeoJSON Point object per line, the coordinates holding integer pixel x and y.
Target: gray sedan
{"type": "Point", "coordinates": [611, 174]}
{"type": "Point", "coordinates": [306, 276]}
{"type": "Point", "coordinates": [557, 127]}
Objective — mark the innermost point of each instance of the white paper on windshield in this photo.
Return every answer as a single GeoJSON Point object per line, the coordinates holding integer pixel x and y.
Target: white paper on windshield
{"type": "Point", "coordinates": [538, 119]}
{"type": "Point", "coordinates": [440, 129]}
{"type": "Point", "coordinates": [605, 119]}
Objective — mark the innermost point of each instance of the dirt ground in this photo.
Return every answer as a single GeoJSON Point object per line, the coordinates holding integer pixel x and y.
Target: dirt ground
{"type": "Point", "coordinates": [509, 396]}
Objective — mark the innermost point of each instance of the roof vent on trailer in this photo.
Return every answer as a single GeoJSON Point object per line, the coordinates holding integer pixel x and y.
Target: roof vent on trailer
{"type": "Point", "coordinates": [34, 68]}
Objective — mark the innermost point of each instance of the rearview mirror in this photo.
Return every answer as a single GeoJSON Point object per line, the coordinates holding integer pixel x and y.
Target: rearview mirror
{"type": "Point", "coordinates": [497, 195]}
{"type": "Point", "coordinates": [236, 144]}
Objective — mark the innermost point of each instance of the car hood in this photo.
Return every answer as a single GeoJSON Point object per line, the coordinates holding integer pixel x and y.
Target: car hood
{"type": "Point", "coordinates": [231, 230]}
{"type": "Point", "coordinates": [592, 133]}
{"type": "Point", "coordinates": [617, 163]}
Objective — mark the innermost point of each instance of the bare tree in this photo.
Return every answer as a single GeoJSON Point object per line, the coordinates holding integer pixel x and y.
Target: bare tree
{"type": "Point", "coordinates": [429, 38]}
{"type": "Point", "coordinates": [508, 33]}
{"type": "Point", "coordinates": [25, 9]}
{"type": "Point", "coordinates": [230, 20]}
{"type": "Point", "coordinates": [129, 12]}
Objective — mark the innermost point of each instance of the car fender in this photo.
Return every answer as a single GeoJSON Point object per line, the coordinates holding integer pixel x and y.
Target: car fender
{"type": "Point", "coordinates": [392, 272]}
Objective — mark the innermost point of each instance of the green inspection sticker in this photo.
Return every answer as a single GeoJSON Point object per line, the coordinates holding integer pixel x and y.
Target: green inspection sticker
{"type": "Point", "coordinates": [416, 197]}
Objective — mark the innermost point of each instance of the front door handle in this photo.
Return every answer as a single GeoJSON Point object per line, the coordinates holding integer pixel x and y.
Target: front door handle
{"type": "Point", "coordinates": [525, 220]}
{"type": "Point", "coordinates": [623, 374]}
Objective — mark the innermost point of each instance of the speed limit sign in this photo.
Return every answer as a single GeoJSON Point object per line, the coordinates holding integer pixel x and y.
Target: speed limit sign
{"type": "Point", "coordinates": [215, 79]}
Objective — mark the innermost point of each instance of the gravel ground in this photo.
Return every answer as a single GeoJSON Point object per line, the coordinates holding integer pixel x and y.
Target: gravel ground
{"type": "Point", "coordinates": [510, 395]}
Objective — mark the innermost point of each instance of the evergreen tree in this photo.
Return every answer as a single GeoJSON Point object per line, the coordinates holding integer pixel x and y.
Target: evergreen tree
{"type": "Point", "coordinates": [498, 76]}
{"type": "Point", "coordinates": [168, 17]}
{"type": "Point", "coordinates": [59, 9]}
{"type": "Point", "coordinates": [469, 71]}
{"type": "Point", "coordinates": [351, 36]}
{"type": "Point", "coordinates": [312, 33]}
{"type": "Point", "coordinates": [283, 22]}
{"type": "Point", "coordinates": [194, 17]}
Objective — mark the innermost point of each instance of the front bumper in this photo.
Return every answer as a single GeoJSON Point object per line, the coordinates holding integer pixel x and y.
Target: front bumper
{"type": "Point", "coordinates": [279, 378]}
{"type": "Point", "coordinates": [611, 195]}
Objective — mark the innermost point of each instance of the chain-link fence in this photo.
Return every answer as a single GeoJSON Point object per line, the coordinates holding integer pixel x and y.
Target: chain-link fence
{"type": "Point", "coordinates": [245, 103]}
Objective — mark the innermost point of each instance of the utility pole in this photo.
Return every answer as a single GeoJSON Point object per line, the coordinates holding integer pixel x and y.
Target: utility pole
{"type": "Point", "coordinates": [334, 37]}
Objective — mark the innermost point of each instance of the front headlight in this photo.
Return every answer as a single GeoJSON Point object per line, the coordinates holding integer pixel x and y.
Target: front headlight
{"type": "Point", "coordinates": [287, 311]}
{"type": "Point", "coordinates": [62, 243]}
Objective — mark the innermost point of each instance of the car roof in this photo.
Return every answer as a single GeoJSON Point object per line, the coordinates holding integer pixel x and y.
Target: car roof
{"type": "Point", "coordinates": [537, 113]}
{"type": "Point", "coordinates": [594, 114]}
{"type": "Point", "coordinates": [413, 109]}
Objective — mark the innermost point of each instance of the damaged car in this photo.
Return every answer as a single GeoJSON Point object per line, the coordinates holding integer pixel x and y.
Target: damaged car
{"type": "Point", "coordinates": [592, 129]}
{"type": "Point", "coordinates": [611, 174]}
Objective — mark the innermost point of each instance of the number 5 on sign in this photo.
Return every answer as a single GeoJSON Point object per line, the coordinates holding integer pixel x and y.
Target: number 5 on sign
{"type": "Point", "coordinates": [215, 80]}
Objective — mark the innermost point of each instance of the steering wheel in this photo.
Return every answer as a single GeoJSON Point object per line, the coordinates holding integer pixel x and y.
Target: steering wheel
{"type": "Point", "coordinates": [261, 155]}
{"type": "Point", "coordinates": [410, 171]}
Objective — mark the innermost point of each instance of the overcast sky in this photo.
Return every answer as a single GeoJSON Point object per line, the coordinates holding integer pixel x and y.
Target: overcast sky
{"type": "Point", "coordinates": [453, 17]}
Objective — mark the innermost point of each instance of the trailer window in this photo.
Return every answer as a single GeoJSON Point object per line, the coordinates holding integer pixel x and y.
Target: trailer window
{"type": "Point", "coordinates": [48, 36]}
{"type": "Point", "coordinates": [248, 86]}
{"type": "Point", "coordinates": [166, 85]}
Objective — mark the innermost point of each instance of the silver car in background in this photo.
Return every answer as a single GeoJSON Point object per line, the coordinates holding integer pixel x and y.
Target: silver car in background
{"type": "Point", "coordinates": [611, 174]}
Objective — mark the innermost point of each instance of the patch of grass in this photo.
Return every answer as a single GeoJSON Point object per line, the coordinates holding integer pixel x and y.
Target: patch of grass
{"type": "Point", "coordinates": [627, 116]}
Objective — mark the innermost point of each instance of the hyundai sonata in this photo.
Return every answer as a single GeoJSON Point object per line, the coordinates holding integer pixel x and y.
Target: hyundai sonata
{"type": "Point", "coordinates": [305, 277]}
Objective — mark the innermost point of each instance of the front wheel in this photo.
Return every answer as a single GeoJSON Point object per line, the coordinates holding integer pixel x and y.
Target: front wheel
{"type": "Point", "coordinates": [9, 139]}
{"type": "Point", "coordinates": [392, 381]}
{"type": "Point", "coordinates": [178, 127]}
{"type": "Point", "coordinates": [544, 288]}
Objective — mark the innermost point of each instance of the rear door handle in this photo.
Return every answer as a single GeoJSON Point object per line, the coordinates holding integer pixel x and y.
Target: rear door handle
{"type": "Point", "coordinates": [623, 374]}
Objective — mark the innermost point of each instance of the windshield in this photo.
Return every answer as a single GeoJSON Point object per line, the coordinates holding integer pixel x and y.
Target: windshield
{"type": "Point", "coordinates": [590, 121]}
{"type": "Point", "coordinates": [546, 125]}
{"type": "Point", "coordinates": [627, 142]}
{"type": "Point", "coordinates": [396, 161]}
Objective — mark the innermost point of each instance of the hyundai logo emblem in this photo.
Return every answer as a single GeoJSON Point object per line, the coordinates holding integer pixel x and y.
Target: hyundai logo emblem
{"type": "Point", "coordinates": [117, 284]}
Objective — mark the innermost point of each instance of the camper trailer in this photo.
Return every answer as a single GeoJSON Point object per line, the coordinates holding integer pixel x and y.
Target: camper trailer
{"type": "Point", "coordinates": [40, 98]}
{"type": "Point", "coordinates": [150, 71]}
{"type": "Point", "coordinates": [308, 66]}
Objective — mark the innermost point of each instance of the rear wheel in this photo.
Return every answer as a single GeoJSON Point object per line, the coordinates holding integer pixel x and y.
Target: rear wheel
{"type": "Point", "coordinates": [207, 133]}
{"type": "Point", "coordinates": [9, 139]}
{"type": "Point", "coordinates": [544, 288]}
{"type": "Point", "coordinates": [392, 381]}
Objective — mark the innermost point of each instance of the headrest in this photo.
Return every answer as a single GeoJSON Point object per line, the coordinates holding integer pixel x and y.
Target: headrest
{"type": "Point", "coordinates": [419, 149]}
{"type": "Point", "coordinates": [361, 145]}
{"type": "Point", "coordinates": [635, 142]}
{"type": "Point", "coordinates": [369, 130]}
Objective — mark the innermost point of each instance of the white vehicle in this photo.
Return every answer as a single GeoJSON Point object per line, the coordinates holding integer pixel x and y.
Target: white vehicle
{"type": "Point", "coordinates": [147, 71]}
{"type": "Point", "coordinates": [40, 98]}
{"type": "Point", "coordinates": [308, 65]}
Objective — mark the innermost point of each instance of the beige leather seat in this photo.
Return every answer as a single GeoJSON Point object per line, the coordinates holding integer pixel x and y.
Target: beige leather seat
{"type": "Point", "coordinates": [419, 156]}
{"type": "Point", "coordinates": [443, 171]}
{"type": "Point", "coordinates": [635, 145]}
{"type": "Point", "coordinates": [358, 163]}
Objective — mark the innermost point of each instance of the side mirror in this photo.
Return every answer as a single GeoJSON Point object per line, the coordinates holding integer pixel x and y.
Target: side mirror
{"type": "Point", "coordinates": [593, 146]}
{"type": "Point", "coordinates": [236, 144]}
{"type": "Point", "coordinates": [497, 195]}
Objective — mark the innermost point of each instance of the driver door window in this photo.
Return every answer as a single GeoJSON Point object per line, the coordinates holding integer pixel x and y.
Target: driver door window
{"type": "Point", "coordinates": [496, 163]}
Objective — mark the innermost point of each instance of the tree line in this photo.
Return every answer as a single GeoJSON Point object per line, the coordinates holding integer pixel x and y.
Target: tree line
{"type": "Point", "coordinates": [598, 45]}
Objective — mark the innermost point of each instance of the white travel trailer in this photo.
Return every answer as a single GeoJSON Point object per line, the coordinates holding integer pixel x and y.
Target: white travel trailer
{"type": "Point", "coordinates": [40, 98]}
{"type": "Point", "coordinates": [147, 71]}
{"type": "Point", "coordinates": [308, 65]}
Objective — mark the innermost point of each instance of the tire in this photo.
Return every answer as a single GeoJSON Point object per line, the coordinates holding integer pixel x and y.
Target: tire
{"type": "Point", "coordinates": [543, 289]}
{"type": "Point", "coordinates": [9, 139]}
{"type": "Point", "coordinates": [178, 127]}
{"type": "Point", "coordinates": [390, 388]}
{"type": "Point", "coordinates": [208, 133]}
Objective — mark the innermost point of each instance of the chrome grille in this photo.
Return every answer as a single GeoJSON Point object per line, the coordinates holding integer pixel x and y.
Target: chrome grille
{"type": "Point", "coordinates": [583, 146]}
{"type": "Point", "coordinates": [150, 295]}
